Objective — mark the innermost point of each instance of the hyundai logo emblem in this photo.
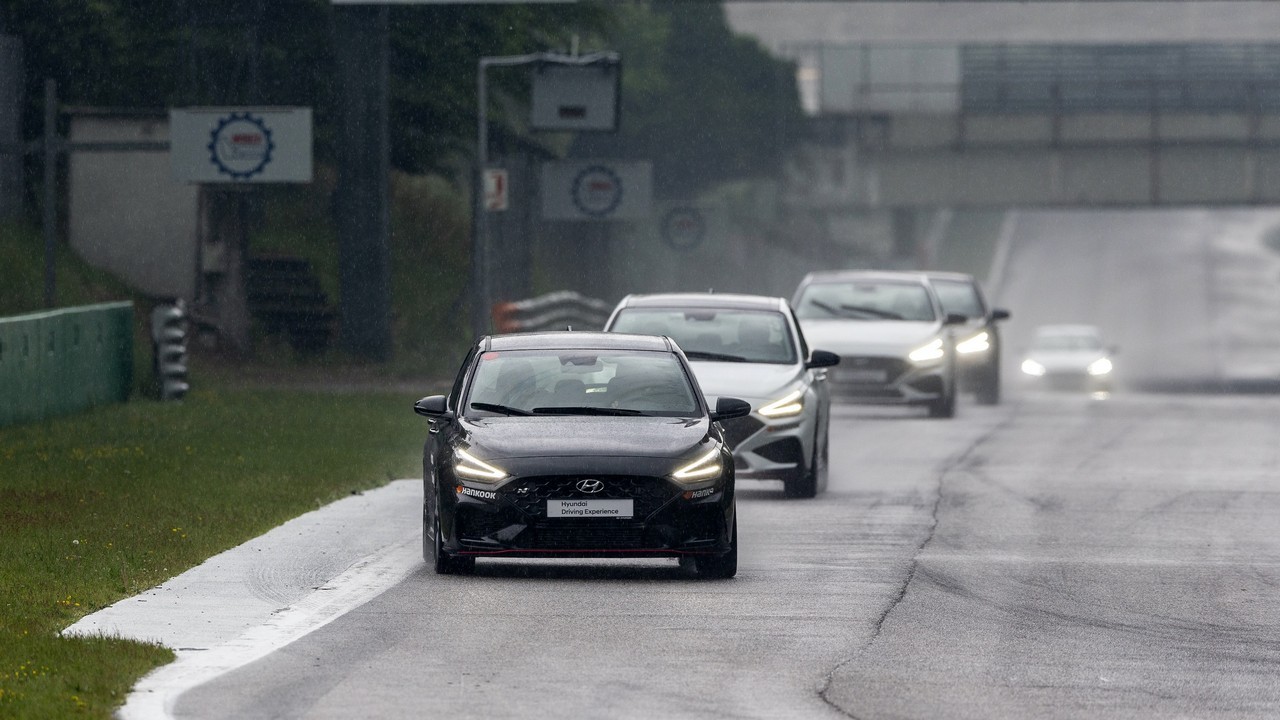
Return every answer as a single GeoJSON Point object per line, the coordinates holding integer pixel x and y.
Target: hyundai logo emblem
{"type": "Point", "coordinates": [590, 485]}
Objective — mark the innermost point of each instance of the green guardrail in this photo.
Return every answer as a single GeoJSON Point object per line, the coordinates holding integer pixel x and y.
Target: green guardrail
{"type": "Point", "coordinates": [63, 361]}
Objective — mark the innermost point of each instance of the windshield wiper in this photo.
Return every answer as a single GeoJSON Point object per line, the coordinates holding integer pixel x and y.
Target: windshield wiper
{"type": "Point", "coordinates": [721, 357]}
{"type": "Point", "coordinates": [585, 410]}
{"type": "Point", "coordinates": [504, 409]}
{"type": "Point", "coordinates": [872, 311]}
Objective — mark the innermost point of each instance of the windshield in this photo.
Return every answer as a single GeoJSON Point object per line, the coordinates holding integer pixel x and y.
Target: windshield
{"type": "Point", "coordinates": [713, 334]}
{"type": "Point", "coordinates": [866, 300]}
{"type": "Point", "coordinates": [959, 297]}
{"type": "Point", "coordinates": [1074, 341]}
{"type": "Point", "coordinates": [585, 382]}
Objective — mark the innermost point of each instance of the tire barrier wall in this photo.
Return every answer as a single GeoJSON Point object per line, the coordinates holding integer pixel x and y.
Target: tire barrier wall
{"type": "Point", "coordinates": [63, 361]}
{"type": "Point", "coordinates": [553, 311]}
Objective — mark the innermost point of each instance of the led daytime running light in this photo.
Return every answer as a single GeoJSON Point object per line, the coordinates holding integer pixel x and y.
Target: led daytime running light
{"type": "Point", "coordinates": [932, 351]}
{"type": "Point", "coordinates": [705, 467]}
{"type": "Point", "coordinates": [790, 404]}
{"type": "Point", "coordinates": [467, 465]}
{"type": "Point", "coordinates": [976, 344]}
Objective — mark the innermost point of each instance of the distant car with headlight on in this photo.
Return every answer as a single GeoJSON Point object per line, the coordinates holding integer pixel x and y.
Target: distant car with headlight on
{"type": "Point", "coordinates": [978, 346]}
{"type": "Point", "coordinates": [750, 347]}
{"type": "Point", "coordinates": [895, 342]}
{"type": "Point", "coordinates": [1069, 357]}
{"type": "Point", "coordinates": [577, 444]}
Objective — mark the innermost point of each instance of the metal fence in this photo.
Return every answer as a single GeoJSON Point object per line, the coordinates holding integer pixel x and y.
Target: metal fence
{"type": "Point", "coordinates": [63, 361]}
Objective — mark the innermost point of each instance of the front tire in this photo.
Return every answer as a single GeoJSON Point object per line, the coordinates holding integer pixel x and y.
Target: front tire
{"type": "Point", "coordinates": [804, 482]}
{"type": "Point", "coordinates": [945, 406]}
{"type": "Point", "coordinates": [445, 563]}
{"type": "Point", "coordinates": [988, 392]}
{"type": "Point", "coordinates": [719, 567]}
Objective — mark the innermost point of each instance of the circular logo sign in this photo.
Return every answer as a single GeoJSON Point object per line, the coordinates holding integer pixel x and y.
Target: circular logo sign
{"type": "Point", "coordinates": [597, 191]}
{"type": "Point", "coordinates": [683, 228]}
{"type": "Point", "coordinates": [240, 145]}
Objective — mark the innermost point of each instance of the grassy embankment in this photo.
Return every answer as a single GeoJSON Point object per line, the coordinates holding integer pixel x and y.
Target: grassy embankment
{"type": "Point", "coordinates": [102, 505]}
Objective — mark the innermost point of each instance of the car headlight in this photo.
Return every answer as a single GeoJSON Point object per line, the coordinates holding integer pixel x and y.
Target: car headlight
{"type": "Point", "coordinates": [705, 467]}
{"type": "Point", "coordinates": [1031, 367]}
{"type": "Point", "coordinates": [1101, 366]}
{"type": "Point", "coordinates": [926, 353]}
{"type": "Point", "coordinates": [976, 344]}
{"type": "Point", "coordinates": [790, 404]}
{"type": "Point", "coordinates": [473, 468]}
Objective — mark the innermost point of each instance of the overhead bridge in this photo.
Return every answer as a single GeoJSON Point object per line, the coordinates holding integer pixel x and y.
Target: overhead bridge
{"type": "Point", "coordinates": [1046, 125]}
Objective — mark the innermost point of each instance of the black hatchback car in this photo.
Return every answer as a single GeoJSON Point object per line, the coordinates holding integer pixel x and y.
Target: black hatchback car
{"type": "Point", "coordinates": [578, 444]}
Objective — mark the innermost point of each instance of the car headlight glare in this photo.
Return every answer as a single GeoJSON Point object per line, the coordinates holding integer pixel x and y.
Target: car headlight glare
{"type": "Point", "coordinates": [925, 353]}
{"type": "Point", "coordinates": [790, 404]}
{"type": "Point", "coordinates": [976, 344]}
{"type": "Point", "coordinates": [1031, 367]}
{"type": "Point", "coordinates": [469, 466]}
{"type": "Point", "coordinates": [705, 467]}
{"type": "Point", "coordinates": [1101, 366]}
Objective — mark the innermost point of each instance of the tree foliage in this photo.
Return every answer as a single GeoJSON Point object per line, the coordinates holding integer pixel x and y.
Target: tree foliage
{"type": "Point", "coordinates": [701, 103]}
{"type": "Point", "coordinates": [162, 53]}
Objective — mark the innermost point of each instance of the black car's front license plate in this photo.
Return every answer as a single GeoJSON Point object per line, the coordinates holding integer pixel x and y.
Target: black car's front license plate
{"type": "Point", "coordinates": [582, 508]}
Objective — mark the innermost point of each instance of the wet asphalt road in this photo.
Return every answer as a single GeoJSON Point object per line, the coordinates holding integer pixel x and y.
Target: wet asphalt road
{"type": "Point", "coordinates": [1055, 556]}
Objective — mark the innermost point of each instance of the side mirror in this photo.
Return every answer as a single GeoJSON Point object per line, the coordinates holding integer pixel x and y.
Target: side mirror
{"type": "Point", "coordinates": [822, 359]}
{"type": "Point", "coordinates": [727, 407]}
{"type": "Point", "coordinates": [1001, 314]}
{"type": "Point", "coordinates": [955, 319]}
{"type": "Point", "coordinates": [431, 406]}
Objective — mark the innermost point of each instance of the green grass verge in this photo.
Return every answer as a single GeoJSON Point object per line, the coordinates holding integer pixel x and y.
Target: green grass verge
{"type": "Point", "coordinates": [100, 506]}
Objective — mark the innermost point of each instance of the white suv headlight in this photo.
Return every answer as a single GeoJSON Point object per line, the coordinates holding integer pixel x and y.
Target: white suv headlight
{"type": "Point", "coordinates": [1101, 366]}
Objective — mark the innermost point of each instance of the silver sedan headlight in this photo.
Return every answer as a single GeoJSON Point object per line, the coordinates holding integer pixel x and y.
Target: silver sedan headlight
{"type": "Point", "coordinates": [977, 344]}
{"type": "Point", "coordinates": [933, 350]}
{"type": "Point", "coordinates": [790, 404]}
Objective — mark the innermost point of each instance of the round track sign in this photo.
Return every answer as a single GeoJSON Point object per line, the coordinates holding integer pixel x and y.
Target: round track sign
{"type": "Point", "coordinates": [683, 228]}
{"type": "Point", "coordinates": [597, 191]}
{"type": "Point", "coordinates": [241, 145]}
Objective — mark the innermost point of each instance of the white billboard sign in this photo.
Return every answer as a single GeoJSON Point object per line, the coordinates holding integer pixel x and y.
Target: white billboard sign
{"type": "Point", "coordinates": [597, 190]}
{"type": "Point", "coordinates": [240, 145]}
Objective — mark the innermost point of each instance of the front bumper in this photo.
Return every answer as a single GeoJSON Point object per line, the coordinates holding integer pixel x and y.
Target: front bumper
{"type": "Point", "coordinates": [765, 448]}
{"type": "Point", "coordinates": [667, 520]}
{"type": "Point", "coordinates": [885, 380]}
{"type": "Point", "coordinates": [1069, 381]}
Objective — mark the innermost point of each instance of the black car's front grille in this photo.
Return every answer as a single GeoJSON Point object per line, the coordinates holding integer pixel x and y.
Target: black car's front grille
{"type": "Point", "coordinates": [648, 493]}
{"type": "Point", "coordinates": [740, 428]}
